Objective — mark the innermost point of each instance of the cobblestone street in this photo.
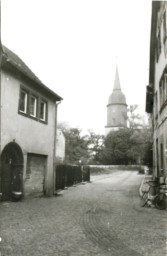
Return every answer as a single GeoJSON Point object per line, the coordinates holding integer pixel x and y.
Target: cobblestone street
{"type": "Point", "coordinates": [100, 218]}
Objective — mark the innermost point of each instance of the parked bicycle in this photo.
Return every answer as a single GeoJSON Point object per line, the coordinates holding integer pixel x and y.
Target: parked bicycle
{"type": "Point", "coordinates": [155, 195]}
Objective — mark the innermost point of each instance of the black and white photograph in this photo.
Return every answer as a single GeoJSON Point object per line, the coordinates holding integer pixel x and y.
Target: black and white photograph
{"type": "Point", "coordinates": [83, 128]}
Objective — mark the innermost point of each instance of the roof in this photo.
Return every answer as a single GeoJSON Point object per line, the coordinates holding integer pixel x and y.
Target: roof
{"type": "Point", "coordinates": [117, 85]}
{"type": "Point", "coordinates": [117, 97]}
{"type": "Point", "coordinates": [11, 59]}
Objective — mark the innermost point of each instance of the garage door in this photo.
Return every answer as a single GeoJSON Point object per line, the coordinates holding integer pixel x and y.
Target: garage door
{"type": "Point", "coordinates": [35, 175]}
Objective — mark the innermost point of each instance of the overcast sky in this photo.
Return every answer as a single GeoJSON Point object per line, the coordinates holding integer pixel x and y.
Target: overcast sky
{"type": "Point", "coordinates": [73, 46]}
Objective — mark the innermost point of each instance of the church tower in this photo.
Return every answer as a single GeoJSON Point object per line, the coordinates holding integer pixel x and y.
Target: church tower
{"type": "Point", "coordinates": [116, 108]}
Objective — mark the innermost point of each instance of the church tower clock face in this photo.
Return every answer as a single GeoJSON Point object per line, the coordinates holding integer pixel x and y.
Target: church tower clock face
{"type": "Point", "coordinates": [116, 108]}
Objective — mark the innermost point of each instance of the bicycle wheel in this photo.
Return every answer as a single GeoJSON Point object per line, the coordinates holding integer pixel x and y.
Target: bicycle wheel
{"type": "Point", "coordinates": [160, 201]}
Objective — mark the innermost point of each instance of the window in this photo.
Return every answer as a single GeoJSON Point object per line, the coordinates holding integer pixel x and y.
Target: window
{"type": "Point", "coordinates": [23, 101]}
{"type": "Point", "coordinates": [161, 93]}
{"type": "Point", "coordinates": [162, 156]}
{"type": "Point", "coordinates": [158, 44]}
{"type": "Point", "coordinates": [165, 86]}
{"type": "Point", "coordinates": [163, 90]}
{"type": "Point", "coordinates": [164, 27]}
{"type": "Point", "coordinates": [33, 106]}
{"type": "Point", "coordinates": [157, 157]}
{"type": "Point", "coordinates": [42, 114]}
{"type": "Point", "coordinates": [156, 105]}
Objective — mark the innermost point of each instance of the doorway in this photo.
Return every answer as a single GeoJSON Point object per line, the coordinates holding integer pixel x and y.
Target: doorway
{"type": "Point", "coordinates": [34, 185]}
{"type": "Point", "coordinates": [11, 170]}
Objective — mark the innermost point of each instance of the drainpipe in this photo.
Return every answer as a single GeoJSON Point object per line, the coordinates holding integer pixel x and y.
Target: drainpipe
{"type": "Point", "coordinates": [54, 146]}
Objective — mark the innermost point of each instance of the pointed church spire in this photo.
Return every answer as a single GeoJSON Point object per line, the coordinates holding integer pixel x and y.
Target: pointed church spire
{"type": "Point", "coordinates": [117, 85]}
{"type": "Point", "coordinates": [116, 108]}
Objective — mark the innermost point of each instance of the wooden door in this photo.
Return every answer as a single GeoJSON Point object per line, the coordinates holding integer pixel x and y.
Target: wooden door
{"type": "Point", "coordinates": [11, 170]}
{"type": "Point", "coordinates": [34, 185]}
{"type": "Point", "coordinates": [6, 181]}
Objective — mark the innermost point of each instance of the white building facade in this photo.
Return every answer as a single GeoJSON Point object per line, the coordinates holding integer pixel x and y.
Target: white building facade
{"type": "Point", "coordinates": [156, 98]}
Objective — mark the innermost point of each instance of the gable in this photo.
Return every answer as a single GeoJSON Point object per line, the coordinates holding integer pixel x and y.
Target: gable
{"type": "Point", "coordinates": [13, 63]}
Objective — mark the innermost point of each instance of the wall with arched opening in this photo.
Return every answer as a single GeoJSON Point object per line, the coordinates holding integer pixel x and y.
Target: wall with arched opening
{"type": "Point", "coordinates": [11, 170]}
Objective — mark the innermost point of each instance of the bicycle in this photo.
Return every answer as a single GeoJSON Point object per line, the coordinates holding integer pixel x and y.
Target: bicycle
{"type": "Point", "coordinates": [160, 200]}
{"type": "Point", "coordinates": [155, 195]}
{"type": "Point", "coordinates": [149, 194]}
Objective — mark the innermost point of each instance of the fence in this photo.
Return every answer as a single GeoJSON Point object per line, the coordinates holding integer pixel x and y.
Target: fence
{"type": "Point", "coordinates": [69, 175]}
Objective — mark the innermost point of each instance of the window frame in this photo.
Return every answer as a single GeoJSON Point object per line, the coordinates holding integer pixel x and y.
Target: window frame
{"type": "Point", "coordinates": [164, 27]}
{"type": "Point", "coordinates": [25, 112]}
{"type": "Point", "coordinates": [36, 106]}
{"type": "Point", "coordinates": [156, 105]}
{"type": "Point", "coordinates": [159, 46]}
{"type": "Point", "coordinates": [165, 85]}
{"type": "Point", "coordinates": [163, 90]}
{"type": "Point", "coordinates": [39, 99]}
{"type": "Point", "coordinates": [161, 93]}
{"type": "Point", "coordinates": [45, 120]}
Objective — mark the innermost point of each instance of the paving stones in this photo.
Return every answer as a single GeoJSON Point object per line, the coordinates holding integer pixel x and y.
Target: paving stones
{"type": "Point", "coordinates": [104, 217]}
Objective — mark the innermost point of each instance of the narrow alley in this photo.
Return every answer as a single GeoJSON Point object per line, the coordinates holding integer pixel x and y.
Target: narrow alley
{"type": "Point", "coordinates": [100, 218]}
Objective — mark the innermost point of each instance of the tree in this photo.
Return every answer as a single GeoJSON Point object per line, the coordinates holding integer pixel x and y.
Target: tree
{"type": "Point", "coordinates": [96, 143]}
{"type": "Point", "coordinates": [76, 149]}
{"type": "Point", "coordinates": [133, 118]}
{"type": "Point", "coordinates": [130, 145]}
{"type": "Point", "coordinates": [117, 147]}
{"type": "Point", "coordinates": [146, 143]}
{"type": "Point", "coordinates": [76, 146]}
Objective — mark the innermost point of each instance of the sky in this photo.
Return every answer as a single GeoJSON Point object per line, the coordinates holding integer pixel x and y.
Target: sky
{"type": "Point", "coordinates": [74, 46]}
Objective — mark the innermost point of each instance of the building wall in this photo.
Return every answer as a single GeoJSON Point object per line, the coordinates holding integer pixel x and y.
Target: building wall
{"type": "Point", "coordinates": [117, 115]}
{"type": "Point", "coordinates": [109, 129]}
{"type": "Point", "coordinates": [160, 116]}
{"type": "Point", "coordinates": [60, 145]}
{"type": "Point", "coordinates": [32, 136]}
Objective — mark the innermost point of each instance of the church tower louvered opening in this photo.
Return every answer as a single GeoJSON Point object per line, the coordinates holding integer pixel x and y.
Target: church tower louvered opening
{"type": "Point", "coordinates": [116, 108]}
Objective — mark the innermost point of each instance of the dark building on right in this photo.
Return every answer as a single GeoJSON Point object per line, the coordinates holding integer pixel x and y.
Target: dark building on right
{"type": "Point", "coordinates": [156, 91]}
